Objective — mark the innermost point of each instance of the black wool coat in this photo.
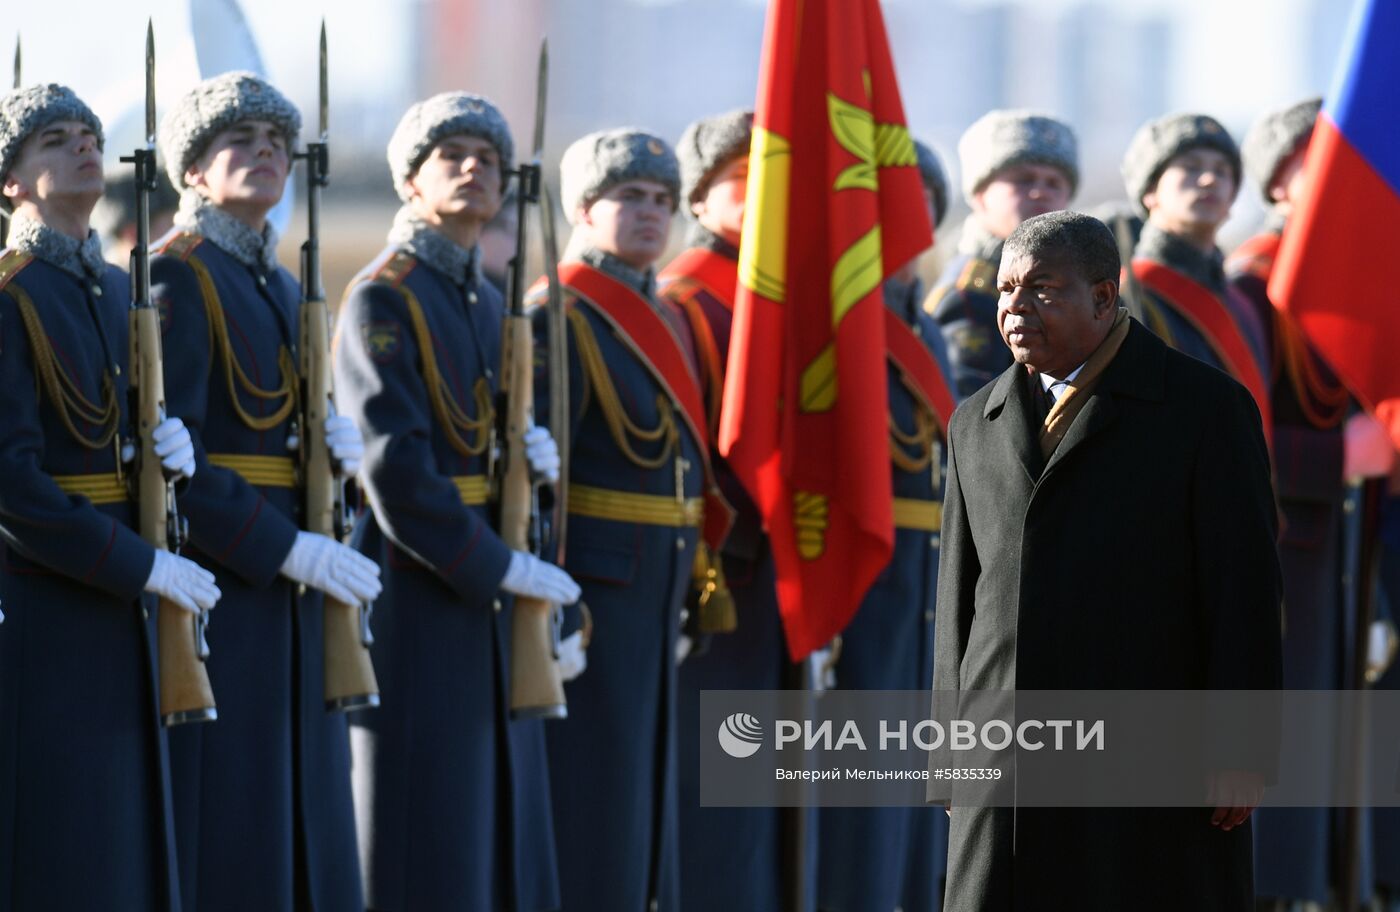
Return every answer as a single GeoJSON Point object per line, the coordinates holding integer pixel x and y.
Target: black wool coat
{"type": "Point", "coordinates": [1141, 555]}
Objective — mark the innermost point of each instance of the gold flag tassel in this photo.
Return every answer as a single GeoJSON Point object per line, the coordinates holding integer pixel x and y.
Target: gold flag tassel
{"type": "Point", "coordinates": [712, 599]}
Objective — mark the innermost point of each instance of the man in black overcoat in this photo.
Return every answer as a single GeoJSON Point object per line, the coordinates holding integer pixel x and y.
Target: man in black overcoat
{"type": "Point", "coordinates": [1108, 524]}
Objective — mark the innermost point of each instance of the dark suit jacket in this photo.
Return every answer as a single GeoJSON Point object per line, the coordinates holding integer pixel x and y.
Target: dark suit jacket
{"type": "Point", "coordinates": [1140, 555]}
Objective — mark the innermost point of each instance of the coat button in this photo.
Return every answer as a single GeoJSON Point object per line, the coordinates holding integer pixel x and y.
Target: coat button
{"type": "Point", "coordinates": [145, 613]}
{"type": "Point", "coordinates": [496, 605]}
{"type": "Point", "coordinates": [97, 291]}
{"type": "Point", "coordinates": [933, 541]}
{"type": "Point", "coordinates": [680, 543]}
{"type": "Point", "coordinates": [471, 297]}
{"type": "Point", "coordinates": [928, 615]}
{"type": "Point", "coordinates": [262, 280]}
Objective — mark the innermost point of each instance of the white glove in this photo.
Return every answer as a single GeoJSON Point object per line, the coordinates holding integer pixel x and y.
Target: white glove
{"type": "Point", "coordinates": [542, 453]}
{"type": "Point", "coordinates": [683, 646]}
{"type": "Point", "coordinates": [182, 582]}
{"type": "Point", "coordinates": [573, 658]}
{"type": "Point", "coordinates": [528, 575]}
{"type": "Point", "coordinates": [1369, 452]}
{"type": "Point", "coordinates": [345, 443]}
{"type": "Point", "coordinates": [1380, 650]}
{"type": "Point", "coordinates": [174, 447]}
{"type": "Point", "coordinates": [821, 670]}
{"type": "Point", "coordinates": [339, 571]}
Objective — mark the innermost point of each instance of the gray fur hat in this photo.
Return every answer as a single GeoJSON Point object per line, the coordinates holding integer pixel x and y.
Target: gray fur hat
{"type": "Point", "coordinates": [1000, 139]}
{"type": "Point", "coordinates": [1158, 141]}
{"type": "Point", "coordinates": [445, 114]}
{"type": "Point", "coordinates": [25, 110]}
{"type": "Point", "coordinates": [215, 105]}
{"type": "Point", "coordinates": [934, 178]}
{"type": "Point", "coordinates": [602, 160]}
{"type": "Point", "coordinates": [1273, 138]}
{"type": "Point", "coordinates": [708, 145]}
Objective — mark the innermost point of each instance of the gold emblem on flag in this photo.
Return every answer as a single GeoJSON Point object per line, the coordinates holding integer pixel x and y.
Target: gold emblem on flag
{"type": "Point", "coordinates": [810, 518]}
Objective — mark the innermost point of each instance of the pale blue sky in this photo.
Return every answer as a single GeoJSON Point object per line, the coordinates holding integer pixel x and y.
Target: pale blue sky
{"type": "Point", "coordinates": [1233, 58]}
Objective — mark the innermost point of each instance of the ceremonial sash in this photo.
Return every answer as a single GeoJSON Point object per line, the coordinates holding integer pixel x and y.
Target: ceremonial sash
{"type": "Point", "coordinates": [700, 268]}
{"type": "Point", "coordinates": [1208, 315]}
{"type": "Point", "coordinates": [712, 270]}
{"type": "Point", "coordinates": [644, 331]}
{"type": "Point", "coordinates": [918, 366]}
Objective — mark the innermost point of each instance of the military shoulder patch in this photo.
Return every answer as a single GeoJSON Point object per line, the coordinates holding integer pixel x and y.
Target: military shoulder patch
{"type": "Point", "coordinates": [980, 276]}
{"type": "Point", "coordinates": [382, 340]}
{"type": "Point", "coordinates": [395, 269]}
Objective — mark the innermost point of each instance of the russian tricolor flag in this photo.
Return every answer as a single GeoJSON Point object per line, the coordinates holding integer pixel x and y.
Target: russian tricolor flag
{"type": "Point", "coordinates": [1333, 270]}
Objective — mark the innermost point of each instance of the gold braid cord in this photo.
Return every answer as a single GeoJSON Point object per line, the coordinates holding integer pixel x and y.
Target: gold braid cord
{"type": "Point", "coordinates": [234, 375]}
{"type": "Point", "coordinates": [595, 369]}
{"type": "Point", "coordinates": [921, 439]}
{"type": "Point", "coordinates": [453, 419]}
{"type": "Point", "coordinates": [1324, 403]}
{"type": "Point", "coordinates": [1156, 321]}
{"type": "Point", "coordinates": [67, 397]}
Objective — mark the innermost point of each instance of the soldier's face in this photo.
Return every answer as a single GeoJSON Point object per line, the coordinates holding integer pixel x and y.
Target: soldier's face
{"type": "Point", "coordinates": [460, 179]}
{"type": "Point", "coordinates": [1288, 183]}
{"type": "Point", "coordinates": [632, 221]}
{"type": "Point", "coordinates": [721, 208]}
{"type": "Point", "coordinates": [1194, 193]}
{"type": "Point", "coordinates": [59, 161]}
{"type": "Point", "coordinates": [244, 169]}
{"type": "Point", "coordinates": [1019, 192]}
{"type": "Point", "coordinates": [1049, 315]}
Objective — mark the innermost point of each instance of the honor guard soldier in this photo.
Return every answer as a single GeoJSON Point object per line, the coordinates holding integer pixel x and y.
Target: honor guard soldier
{"type": "Point", "coordinates": [114, 216]}
{"type": "Point", "coordinates": [732, 858]}
{"type": "Point", "coordinates": [452, 795]}
{"type": "Point", "coordinates": [637, 481]}
{"type": "Point", "coordinates": [1182, 172]}
{"type": "Point", "coordinates": [1319, 441]}
{"type": "Point", "coordinates": [874, 859]}
{"type": "Point", "coordinates": [1015, 164]}
{"type": "Point", "coordinates": [84, 778]}
{"type": "Point", "coordinates": [263, 807]}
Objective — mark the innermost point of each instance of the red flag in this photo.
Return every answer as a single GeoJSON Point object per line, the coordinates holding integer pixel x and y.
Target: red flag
{"type": "Point", "coordinates": [834, 206]}
{"type": "Point", "coordinates": [1348, 222]}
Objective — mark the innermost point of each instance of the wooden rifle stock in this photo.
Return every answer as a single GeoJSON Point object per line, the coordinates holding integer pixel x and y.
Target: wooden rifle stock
{"type": "Point", "coordinates": [349, 680]}
{"type": "Point", "coordinates": [536, 687]}
{"type": "Point", "coordinates": [349, 674]}
{"type": "Point", "coordinates": [185, 693]}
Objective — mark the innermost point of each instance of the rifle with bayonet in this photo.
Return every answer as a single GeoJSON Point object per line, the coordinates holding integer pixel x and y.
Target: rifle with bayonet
{"type": "Point", "coordinates": [349, 673]}
{"type": "Point", "coordinates": [185, 694]}
{"type": "Point", "coordinates": [536, 687]}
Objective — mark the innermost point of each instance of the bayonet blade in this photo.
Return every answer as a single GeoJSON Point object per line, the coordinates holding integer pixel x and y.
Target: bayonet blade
{"type": "Point", "coordinates": [541, 91]}
{"type": "Point", "coordinates": [325, 87]}
{"type": "Point", "coordinates": [150, 85]}
{"type": "Point", "coordinates": [18, 68]}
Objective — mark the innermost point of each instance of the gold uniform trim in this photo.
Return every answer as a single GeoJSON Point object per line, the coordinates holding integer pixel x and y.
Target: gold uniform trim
{"type": "Point", "coordinates": [102, 488]}
{"type": "Point", "coordinates": [472, 488]}
{"type": "Point", "coordinates": [263, 471]}
{"type": "Point", "coordinates": [923, 515]}
{"type": "Point", "coordinates": [628, 506]}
